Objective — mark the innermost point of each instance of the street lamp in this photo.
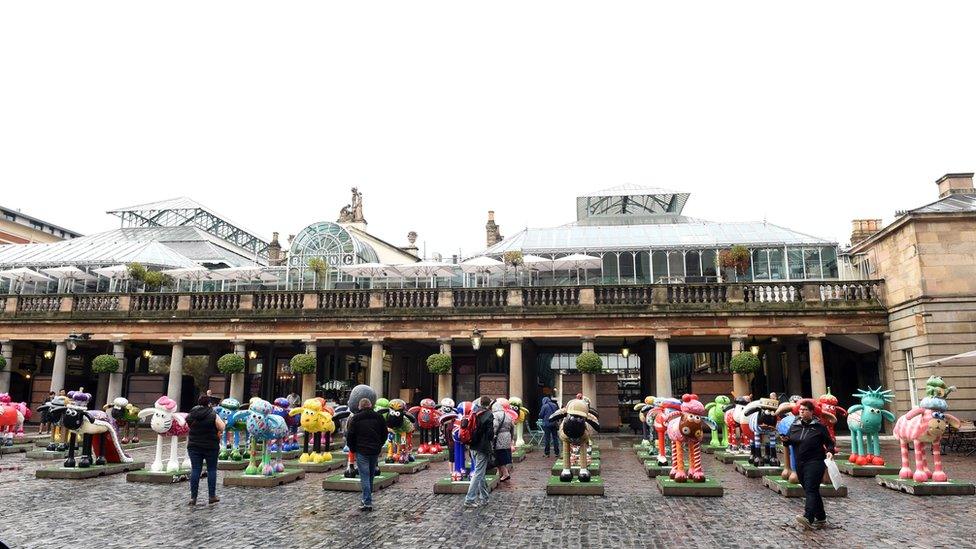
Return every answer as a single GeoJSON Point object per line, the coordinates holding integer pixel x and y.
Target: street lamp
{"type": "Point", "coordinates": [625, 350]}
{"type": "Point", "coordinates": [476, 339]}
{"type": "Point", "coordinates": [499, 350]}
{"type": "Point", "coordinates": [147, 353]}
{"type": "Point", "coordinates": [252, 354]}
{"type": "Point", "coordinates": [48, 354]}
{"type": "Point", "coordinates": [754, 347]}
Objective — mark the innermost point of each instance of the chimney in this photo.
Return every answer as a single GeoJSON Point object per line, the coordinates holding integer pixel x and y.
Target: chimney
{"type": "Point", "coordinates": [955, 183]}
{"type": "Point", "coordinates": [492, 230]}
{"type": "Point", "coordinates": [862, 229]}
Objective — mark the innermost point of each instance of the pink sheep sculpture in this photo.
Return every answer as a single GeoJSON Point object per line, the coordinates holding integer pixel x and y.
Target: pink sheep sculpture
{"type": "Point", "coordinates": [167, 422]}
{"type": "Point", "coordinates": [925, 424]}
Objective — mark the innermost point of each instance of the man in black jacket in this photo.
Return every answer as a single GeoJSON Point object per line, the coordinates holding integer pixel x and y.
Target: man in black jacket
{"type": "Point", "coordinates": [481, 447]}
{"type": "Point", "coordinates": [365, 436]}
{"type": "Point", "coordinates": [811, 444]}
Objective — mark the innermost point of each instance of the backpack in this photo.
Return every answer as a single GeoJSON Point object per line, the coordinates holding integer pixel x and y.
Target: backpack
{"type": "Point", "coordinates": [468, 427]}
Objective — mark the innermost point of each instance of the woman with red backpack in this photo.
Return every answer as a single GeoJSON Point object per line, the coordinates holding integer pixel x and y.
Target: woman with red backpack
{"type": "Point", "coordinates": [481, 445]}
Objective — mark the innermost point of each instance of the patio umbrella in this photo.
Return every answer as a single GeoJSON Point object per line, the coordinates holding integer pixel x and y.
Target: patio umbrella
{"type": "Point", "coordinates": [246, 274]}
{"type": "Point", "coordinates": [193, 274]}
{"type": "Point", "coordinates": [577, 261]}
{"type": "Point", "coordinates": [70, 273]}
{"type": "Point", "coordinates": [426, 269]}
{"type": "Point", "coordinates": [535, 263]}
{"type": "Point", "coordinates": [113, 273]}
{"type": "Point", "coordinates": [23, 275]}
{"type": "Point", "coordinates": [371, 270]}
{"type": "Point", "coordinates": [483, 265]}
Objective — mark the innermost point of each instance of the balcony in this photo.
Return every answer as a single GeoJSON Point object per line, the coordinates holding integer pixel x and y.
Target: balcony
{"type": "Point", "coordinates": [744, 298]}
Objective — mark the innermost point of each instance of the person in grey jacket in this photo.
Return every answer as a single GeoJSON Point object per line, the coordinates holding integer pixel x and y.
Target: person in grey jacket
{"type": "Point", "coordinates": [504, 435]}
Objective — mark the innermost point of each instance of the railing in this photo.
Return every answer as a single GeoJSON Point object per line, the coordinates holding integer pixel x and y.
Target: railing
{"type": "Point", "coordinates": [215, 302]}
{"type": "Point", "coordinates": [541, 297]}
{"type": "Point", "coordinates": [278, 301]}
{"type": "Point", "coordinates": [92, 303]}
{"type": "Point", "coordinates": [622, 295]}
{"type": "Point", "coordinates": [410, 299]}
{"type": "Point", "coordinates": [154, 302]}
{"type": "Point", "coordinates": [774, 293]}
{"type": "Point", "coordinates": [697, 293]}
{"type": "Point", "coordinates": [481, 297]}
{"type": "Point", "coordinates": [39, 303]}
{"type": "Point", "coordinates": [851, 291]}
{"type": "Point", "coordinates": [344, 300]}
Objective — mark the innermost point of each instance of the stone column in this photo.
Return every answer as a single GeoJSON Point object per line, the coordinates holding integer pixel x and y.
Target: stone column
{"type": "Point", "coordinates": [308, 380]}
{"type": "Point", "coordinates": [376, 366]}
{"type": "Point", "coordinates": [237, 380]}
{"type": "Point", "coordinates": [115, 380]}
{"type": "Point", "coordinates": [662, 366]}
{"type": "Point", "coordinates": [175, 386]}
{"type": "Point", "coordinates": [7, 351]}
{"type": "Point", "coordinates": [589, 380]}
{"type": "Point", "coordinates": [516, 374]}
{"type": "Point", "coordinates": [794, 385]}
{"type": "Point", "coordinates": [740, 383]}
{"type": "Point", "coordinates": [60, 365]}
{"type": "Point", "coordinates": [818, 378]}
{"type": "Point", "coordinates": [445, 381]}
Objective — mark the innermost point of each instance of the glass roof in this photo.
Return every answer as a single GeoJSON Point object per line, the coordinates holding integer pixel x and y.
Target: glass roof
{"type": "Point", "coordinates": [331, 242]}
{"type": "Point", "coordinates": [699, 234]}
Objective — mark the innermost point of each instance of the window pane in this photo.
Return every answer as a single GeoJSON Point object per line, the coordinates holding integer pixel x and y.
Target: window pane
{"type": "Point", "coordinates": [643, 266]}
{"type": "Point", "coordinates": [708, 263]}
{"type": "Point", "coordinates": [626, 267]}
{"type": "Point", "coordinates": [777, 270]}
{"type": "Point", "coordinates": [609, 268]}
{"type": "Point", "coordinates": [692, 267]}
{"type": "Point", "coordinates": [811, 258]}
{"type": "Point", "coordinates": [677, 262]}
{"type": "Point", "coordinates": [660, 265]}
{"type": "Point", "coordinates": [796, 264]}
{"type": "Point", "coordinates": [760, 264]}
{"type": "Point", "coordinates": [829, 256]}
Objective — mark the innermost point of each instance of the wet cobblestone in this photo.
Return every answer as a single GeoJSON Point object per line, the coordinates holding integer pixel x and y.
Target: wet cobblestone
{"type": "Point", "coordinates": [109, 512]}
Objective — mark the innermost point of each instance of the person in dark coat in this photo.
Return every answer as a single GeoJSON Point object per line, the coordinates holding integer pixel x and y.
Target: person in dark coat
{"type": "Point", "coordinates": [482, 444]}
{"type": "Point", "coordinates": [365, 435]}
{"type": "Point", "coordinates": [549, 431]}
{"type": "Point", "coordinates": [203, 443]}
{"type": "Point", "coordinates": [811, 445]}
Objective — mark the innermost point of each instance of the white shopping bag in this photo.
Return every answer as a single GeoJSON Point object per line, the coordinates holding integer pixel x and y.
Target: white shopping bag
{"type": "Point", "coordinates": [834, 473]}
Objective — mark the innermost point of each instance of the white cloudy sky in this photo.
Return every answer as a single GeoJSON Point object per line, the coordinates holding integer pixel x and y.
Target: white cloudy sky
{"type": "Point", "coordinates": [807, 115]}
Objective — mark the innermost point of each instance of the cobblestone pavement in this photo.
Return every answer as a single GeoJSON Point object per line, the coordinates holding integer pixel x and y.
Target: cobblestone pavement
{"type": "Point", "coordinates": [109, 512]}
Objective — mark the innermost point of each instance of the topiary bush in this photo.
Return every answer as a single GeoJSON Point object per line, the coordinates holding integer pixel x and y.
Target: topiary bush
{"type": "Point", "coordinates": [589, 363]}
{"type": "Point", "coordinates": [302, 364]}
{"type": "Point", "coordinates": [231, 364]}
{"type": "Point", "coordinates": [105, 364]}
{"type": "Point", "coordinates": [3, 363]}
{"type": "Point", "coordinates": [745, 363]}
{"type": "Point", "coordinates": [439, 363]}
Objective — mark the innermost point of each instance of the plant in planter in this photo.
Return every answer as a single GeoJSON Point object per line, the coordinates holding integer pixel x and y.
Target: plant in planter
{"type": "Point", "coordinates": [137, 271]}
{"type": "Point", "coordinates": [154, 280]}
{"type": "Point", "coordinates": [302, 364]}
{"type": "Point", "coordinates": [736, 258]}
{"type": "Point", "coordinates": [439, 363]}
{"type": "Point", "coordinates": [745, 363]}
{"type": "Point", "coordinates": [319, 268]}
{"type": "Point", "coordinates": [589, 363]}
{"type": "Point", "coordinates": [513, 258]}
{"type": "Point", "coordinates": [231, 364]}
{"type": "Point", "coordinates": [105, 364]}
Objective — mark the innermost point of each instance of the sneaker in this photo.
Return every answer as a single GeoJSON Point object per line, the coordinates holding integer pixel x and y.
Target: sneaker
{"type": "Point", "coordinates": [819, 523]}
{"type": "Point", "coordinates": [213, 500]}
{"type": "Point", "coordinates": [803, 522]}
{"type": "Point", "coordinates": [365, 507]}
{"type": "Point", "coordinates": [470, 505]}
{"type": "Point", "coordinates": [193, 501]}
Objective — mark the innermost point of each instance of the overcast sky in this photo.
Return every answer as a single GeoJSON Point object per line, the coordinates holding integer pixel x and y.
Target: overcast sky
{"type": "Point", "coordinates": [807, 115]}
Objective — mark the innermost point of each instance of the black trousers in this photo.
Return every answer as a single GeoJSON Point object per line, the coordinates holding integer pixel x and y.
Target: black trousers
{"type": "Point", "coordinates": [811, 473]}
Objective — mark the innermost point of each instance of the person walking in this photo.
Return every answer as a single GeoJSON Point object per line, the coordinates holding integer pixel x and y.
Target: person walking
{"type": "Point", "coordinates": [480, 447]}
{"type": "Point", "coordinates": [365, 436]}
{"type": "Point", "coordinates": [203, 443]}
{"type": "Point", "coordinates": [45, 426]}
{"type": "Point", "coordinates": [811, 445]}
{"type": "Point", "coordinates": [504, 434]}
{"type": "Point", "coordinates": [549, 431]}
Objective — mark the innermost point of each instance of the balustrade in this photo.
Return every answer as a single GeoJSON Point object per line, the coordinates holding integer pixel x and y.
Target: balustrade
{"type": "Point", "coordinates": [539, 297]}
{"type": "Point", "coordinates": [697, 293]}
{"type": "Point", "coordinates": [480, 297]}
{"type": "Point", "coordinates": [154, 302]}
{"type": "Point", "coordinates": [410, 299]}
{"type": "Point", "coordinates": [278, 301]}
{"type": "Point", "coordinates": [771, 293]}
{"type": "Point", "coordinates": [39, 303]}
{"type": "Point", "coordinates": [215, 302]}
{"type": "Point", "coordinates": [851, 291]}
{"type": "Point", "coordinates": [94, 302]}
{"type": "Point", "coordinates": [344, 300]}
{"type": "Point", "coordinates": [623, 295]}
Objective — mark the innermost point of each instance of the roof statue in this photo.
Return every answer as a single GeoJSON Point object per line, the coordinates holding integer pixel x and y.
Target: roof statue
{"type": "Point", "coordinates": [353, 212]}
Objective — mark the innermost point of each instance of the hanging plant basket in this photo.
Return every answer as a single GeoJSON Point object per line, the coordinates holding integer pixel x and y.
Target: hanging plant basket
{"type": "Point", "coordinates": [231, 364]}
{"type": "Point", "coordinates": [105, 364]}
{"type": "Point", "coordinates": [439, 364]}
{"type": "Point", "coordinates": [589, 363]}
{"type": "Point", "coordinates": [745, 363]}
{"type": "Point", "coordinates": [302, 364]}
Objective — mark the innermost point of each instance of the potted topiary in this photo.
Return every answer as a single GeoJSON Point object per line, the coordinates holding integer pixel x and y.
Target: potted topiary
{"type": "Point", "coordinates": [439, 364]}
{"type": "Point", "coordinates": [589, 362]}
{"type": "Point", "coordinates": [231, 363]}
{"type": "Point", "coordinates": [745, 363]}
{"type": "Point", "coordinates": [305, 365]}
{"type": "Point", "coordinates": [105, 364]}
